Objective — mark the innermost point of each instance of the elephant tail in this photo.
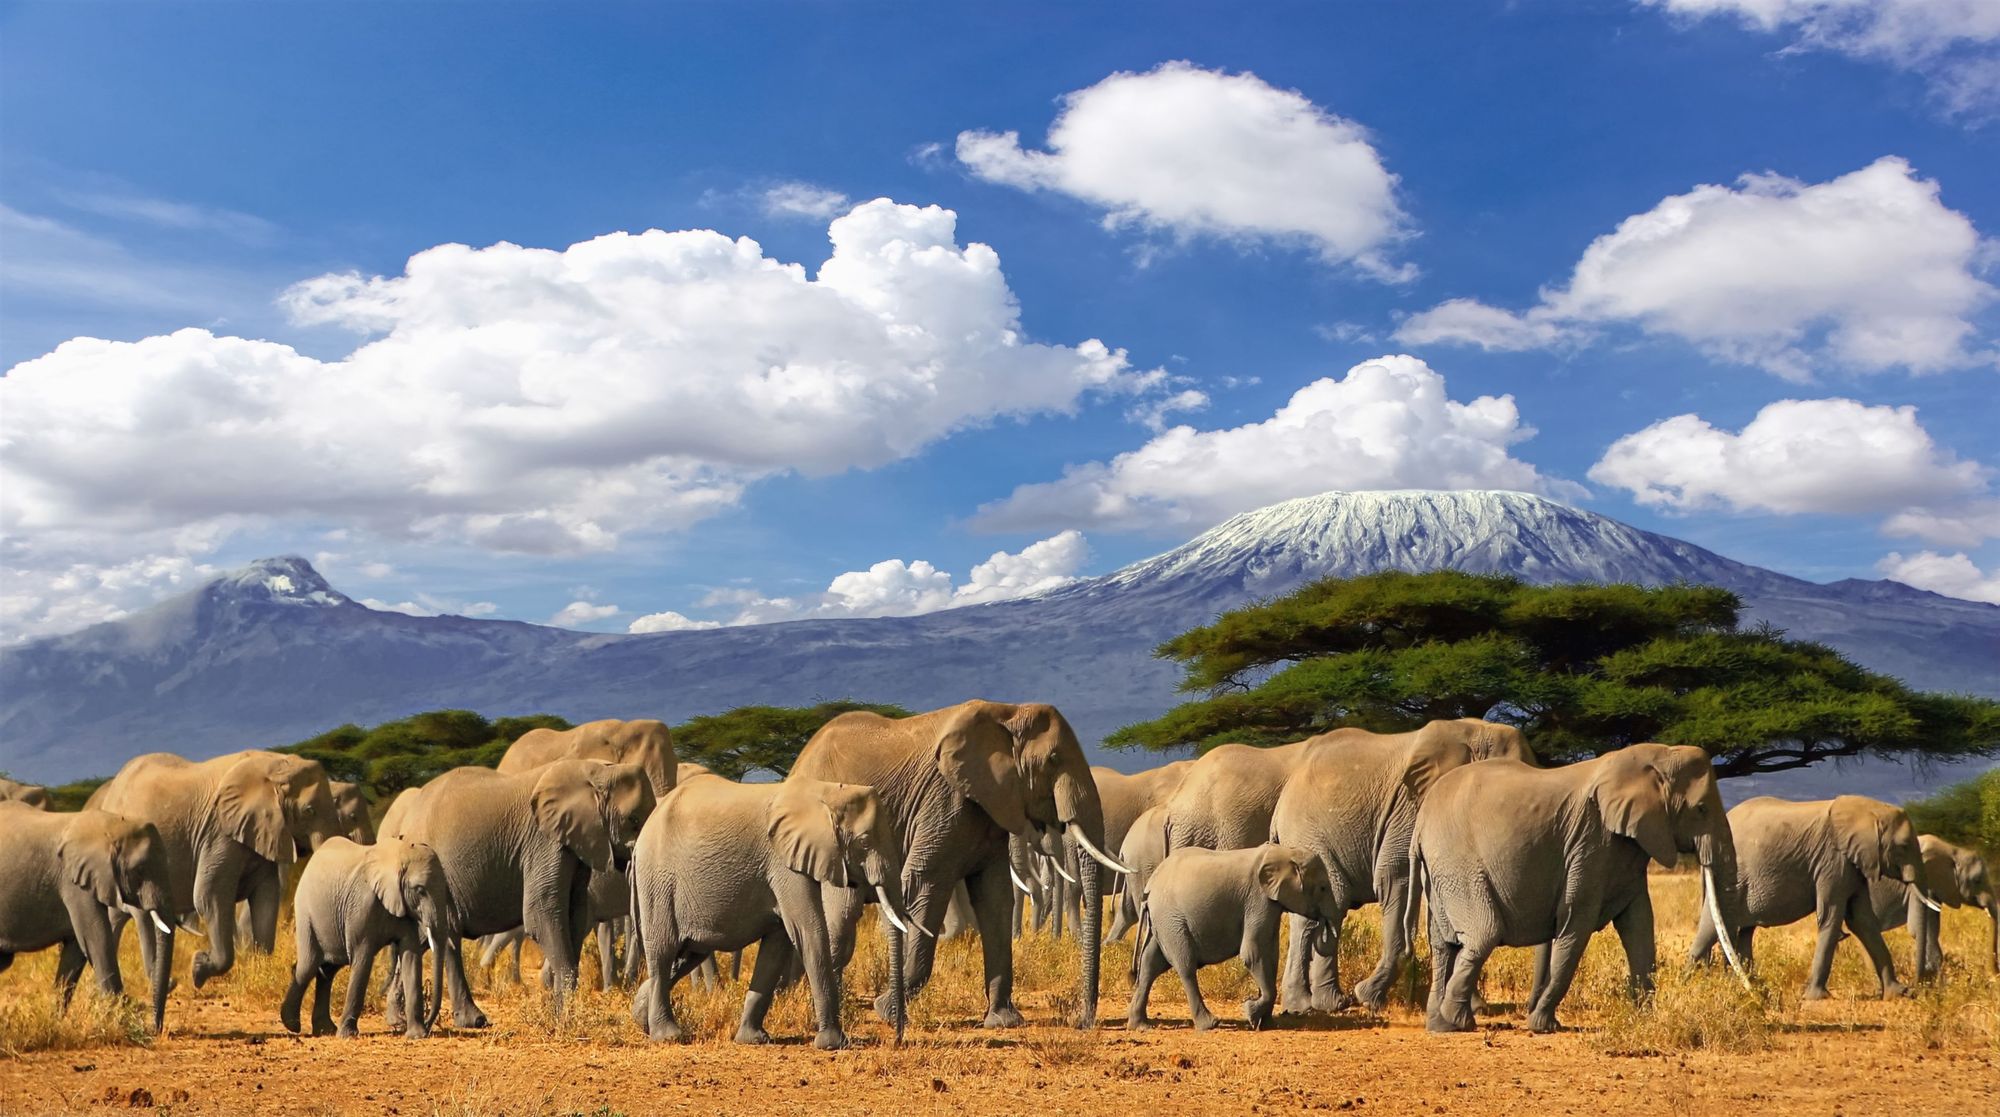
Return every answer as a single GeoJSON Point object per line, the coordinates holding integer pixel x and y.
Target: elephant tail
{"type": "Point", "coordinates": [1413, 901]}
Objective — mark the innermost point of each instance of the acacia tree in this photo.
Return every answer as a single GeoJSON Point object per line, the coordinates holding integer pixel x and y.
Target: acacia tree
{"type": "Point", "coordinates": [1581, 669]}
{"type": "Point", "coordinates": [761, 738]}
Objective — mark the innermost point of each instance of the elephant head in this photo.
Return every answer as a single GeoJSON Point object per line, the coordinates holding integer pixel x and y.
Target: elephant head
{"type": "Point", "coordinates": [838, 834]}
{"type": "Point", "coordinates": [408, 879]}
{"type": "Point", "coordinates": [1878, 840]}
{"type": "Point", "coordinates": [280, 806]}
{"type": "Point", "coordinates": [1298, 882]}
{"type": "Point", "coordinates": [593, 808]}
{"type": "Point", "coordinates": [1960, 876]}
{"type": "Point", "coordinates": [649, 744]}
{"type": "Point", "coordinates": [1667, 799]}
{"type": "Point", "coordinates": [351, 812]}
{"type": "Point", "coordinates": [1489, 740]}
{"type": "Point", "coordinates": [123, 864]}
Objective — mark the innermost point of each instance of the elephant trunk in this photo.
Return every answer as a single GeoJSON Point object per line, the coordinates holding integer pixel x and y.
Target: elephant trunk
{"type": "Point", "coordinates": [1089, 936]}
{"type": "Point", "coordinates": [163, 970]}
{"type": "Point", "coordinates": [437, 985]}
{"type": "Point", "coordinates": [898, 991]}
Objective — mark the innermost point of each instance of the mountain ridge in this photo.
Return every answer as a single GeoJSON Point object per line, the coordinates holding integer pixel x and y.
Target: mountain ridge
{"type": "Point", "coordinates": [272, 653]}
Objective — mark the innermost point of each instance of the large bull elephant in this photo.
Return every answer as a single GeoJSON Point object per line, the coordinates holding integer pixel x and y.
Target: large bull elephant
{"type": "Point", "coordinates": [956, 782]}
{"type": "Point", "coordinates": [1352, 801]}
{"type": "Point", "coordinates": [1957, 877]}
{"type": "Point", "coordinates": [228, 825]}
{"type": "Point", "coordinates": [1818, 858]}
{"type": "Point", "coordinates": [644, 742]}
{"type": "Point", "coordinates": [518, 850]}
{"type": "Point", "coordinates": [1510, 855]}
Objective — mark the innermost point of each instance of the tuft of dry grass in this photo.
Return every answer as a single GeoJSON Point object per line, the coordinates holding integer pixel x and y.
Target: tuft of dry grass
{"type": "Point", "coordinates": [33, 1020]}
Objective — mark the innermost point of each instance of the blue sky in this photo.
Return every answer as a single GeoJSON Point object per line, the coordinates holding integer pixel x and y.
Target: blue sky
{"type": "Point", "coordinates": [170, 166]}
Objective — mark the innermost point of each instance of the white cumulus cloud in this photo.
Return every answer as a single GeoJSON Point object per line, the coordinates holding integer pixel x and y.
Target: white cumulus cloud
{"type": "Point", "coordinates": [1867, 272]}
{"type": "Point", "coordinates": [1954, 575]}
{"type": "Point", "coordinates": [529, 400]}
{"type": "Point", "coordinates": [1196, 152]}
{"type": "Point", "coordinates": [1388, 423]}
{"type": "Point", "coordinates": [1827, 456]}
{"type": "Point", "coordinates": [668, 621]}
{"type": "Point", "coordinates": [896, 588]}
{"type": "Point", "coordinates": [1954, 44]}
{"type": "Point", "coordinates": [803, 199]}
{"type": "Point", "coordinates": [581, 613]}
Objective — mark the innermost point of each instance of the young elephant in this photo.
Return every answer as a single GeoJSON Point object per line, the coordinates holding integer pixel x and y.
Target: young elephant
{"type": "Point", "coordinates": [1819, 858]}
{"type": "Point", "coordinates": [721, 865]}
{"type": "Point", "coordinates": [63, 877]}
{"type": "Point", "coordinates": [1957, 877]}
{"type": "Point", "coordinates": [1521, 856]}
{"type": "Point", "coordinates": [352, 901]}
{"type": "Point", "coordinates": [1144, 848]}
{"type": "Point", "coordinates": [1205, 906]}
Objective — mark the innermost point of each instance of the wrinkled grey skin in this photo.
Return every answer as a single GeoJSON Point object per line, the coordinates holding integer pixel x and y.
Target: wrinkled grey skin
{"type": "Point", "coordinates": [518, 850]}
{"type": "Point", "coordinates": [1818, 858]}
{"type": "Point", "coordinates": [955, 783]}
{"type": "Point", "coordinates": [32, 795]}
{"type": "Point", "coordinates": [1125, 797]}
{"type": "Point", "coordinates": [230, 825]}
{"type": "Point", "coordinates": [62, 879]}
{"type": "Point", "coordinates": [354, 900]}
{"type": "Point", "coordinates": [644, 741]}
{"type": "Point", "coordinates": [1957, 877]}
{"type": "Point", "coordinates": [722, 865]}
{"type": "Point", "coordinates": [1517, 856]}
{"type": "Point", "coordinates": [1144, 848]}
{"type": "Point", "coordinates": [1204, 906]}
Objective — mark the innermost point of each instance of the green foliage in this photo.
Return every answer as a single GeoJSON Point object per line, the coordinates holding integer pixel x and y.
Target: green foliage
{"type": "Point", "coordinates": [73, 795]}
{"type": "Point", "coordinates": [1582, 669]}
{"type": "Point", "coordinates": [413, 750]}
{"type": "Point", "coordinates": [1966, 813]}
{"type": "Point", "coordinates": [761, 738]}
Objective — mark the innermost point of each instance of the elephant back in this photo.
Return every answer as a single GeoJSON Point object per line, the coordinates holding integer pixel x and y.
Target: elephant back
{"type": "Point", "coordinates": [646, 742]}
{"type": "Point", "coordinates": [1227, 798]}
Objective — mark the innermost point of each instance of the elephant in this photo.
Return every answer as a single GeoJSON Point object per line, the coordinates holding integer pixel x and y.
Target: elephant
{"type": "Point", "coordinates": [32, 795]}
{"type": "Point", "coordinates": [645, 742]}
{"type": "Point", "coordinates": [1819, 858]}
{"type": "Point", "coordinates": [1126, 797]}
{"type": "Point", "coordinates": [1206, 906]}
{"type": "Point", "coordinates": [1957, 877]}
{"type": "Point", "coordinates": [229, 825]}
{"type": "Point", "coordinates": [352, 900]}
{"type": "Point", "coordinates": [1043, 882]}
{"type": "Point", "coordinates": [610, 903]}
{"type": "Point", "coordinates": [355, 820]}
{"type": "Point", "coordinates": [518, 849]}
{"type": "Point", "coordinates": [955, 783]}
{"type": "Point", "coordinates": [1512, 855]}
{"type": "Point", "coordinates": [1145, 847]}
{"type": "Point", "coordinates": [66, 876]}
{"type": "Point", "coordinates": [1351, 800]}
{"type": "Point", "coordinates": [722, 865]}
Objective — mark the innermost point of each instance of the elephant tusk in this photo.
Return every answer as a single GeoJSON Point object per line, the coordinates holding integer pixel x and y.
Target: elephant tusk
{"type": "Point", "coordinates": [160, 923]}
{"type": "Point", "coordinates": [1025, 890]}
{"type": "Point", "coordinates": [1930, 903]}
{"type": "Point", "coordinates": [1096, 853]}
{"type": "Point", "coordinates": [1060, 871]}
{"type": "Point", "coordinates": [1724, 934]}
{"type": "Point", "coordinates": [430, 940]}
{"type": "Point", "coordinates": [889, 910]}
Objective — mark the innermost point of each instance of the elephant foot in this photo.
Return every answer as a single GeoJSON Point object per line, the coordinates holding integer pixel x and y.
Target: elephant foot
{"type": "Point", "coordinates": [752, 1034]}
{"type": "Point", "coordinates": [666, 1031]}
{"type": "Point", "coordinates": [1298, 1001]}
{"type": "Point", "coordinates": [1335, 1001]}
{"type": "Point", "coordinates": [1479, 1006]}
{"type": "Point", "coordinates": [471, 1017]}
{"type": "Point", "coordinates": [323, 1027]}
{"type": "Point", "coordinates": [347, 1030]}
{"type": "Point", "coordinates": [640, 999]}
{"type": "Point", "coordinates": [204, 969]}
{"type": "Point", "coordinates": [830, 1039]}
{"type": "Point", "coordinates": [1813, 993]}
{"type": "Point", "coordinates": [1895, 990]}
{"type": "Point", "coordinates": [394, 1020]}
{"type": "Point", "coordinates": [1006, 1016]}
{"type": "Point", "coordinates": [1138, 1024]}
{"type": "Point", "coordinates": [1542, 1022]}
{"type": "Point", "coordinates": [1258, 1013]}
{"type": "Point", "coordinates": [1444, 1025]}
{"type": "Point", "coordinates": [1206, 1022]}
{"type": "Point", "coordinates": [288, 1014]}
{"type": "Point", "coordinates": [417, 1031]}
{"type": "Point", "coordinates": [1373, 994]}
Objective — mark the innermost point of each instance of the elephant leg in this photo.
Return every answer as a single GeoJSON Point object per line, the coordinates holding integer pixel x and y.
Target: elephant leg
{"type": "Point", "coordinates": [1298, 969]}
{"type": "Point", "coordinates": [1541, 980]}
{"type": "Point", "coordinates": [464, 1013]}
{"type": "Point", "coordinates": [1444, 961]}
{"type": "Point", "coordinates": [843, 919]}
{"type": "Point", "coordinates": [1861, 918]}
{"type": "Point", "coordinates": [927, 908]}
{"type": "Point", "coordinates": [1470, 960]}
{"type": "Point", "coordinates": [1564, 955]}
{"type": "Point", "coordinates": [218, 912]}
{"type": "Point", "coordinates": [303, 972]}
{"type": "Point", "coordinates": [69, 967]}
{"type": "Point", "coordinates": [267, 891]}
{"type": "Point", "coordinates": [1180, 955]}
{"type": "Point", "coordinates": [1373, 992]}
{"type": "Point", "coordinates": [411, 959]}
{"type": "Point", "coordinates": [659, 937]}
{"type": "Point", "coordinates": [87, 920]}
{"type": "Point", "coordinates": [1931, 960]}
{"type": "Point", "coordinates": [323, 998]}
{"type": "Point", "coordinates": [1323, 973]}
{"type": "Point", "coordinates": [607, 955]}
{"type": "Point", "coordinates": [1635, 933]}
{"type": "Point", "coordinates": [393, 1003]}
{"type": "Point", "coordinates": [363, 954]}
{"type": "Point", "coordinates": [1151, 964]}
{"type": "Point", "coordinates": [990, 891]}
{"type": "Point", "coordinates": [1822, 963]}
{"type": "Point", "coordinates": [1261, 960]}
{"type": "Point", "coordinates": [774, 955]}
{"type": "Point", "coordinates": [798, 906]}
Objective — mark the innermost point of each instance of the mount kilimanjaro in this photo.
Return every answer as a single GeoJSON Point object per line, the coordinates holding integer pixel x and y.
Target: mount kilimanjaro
{"type": "Point", "coordinates": [271, 653]}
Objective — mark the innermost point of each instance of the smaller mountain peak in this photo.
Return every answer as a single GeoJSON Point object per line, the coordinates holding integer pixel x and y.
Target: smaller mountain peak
{"type": "Point", "coordinates": [280, 580]}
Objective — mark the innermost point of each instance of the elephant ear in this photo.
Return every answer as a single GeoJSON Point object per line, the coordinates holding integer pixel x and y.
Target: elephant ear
{"type": "Point", "coordinates": [385, 876]}
{"type": "Point", "coordinates": [1632, 800]}
{"type": "Point", "coordinates": [805, 830]}
{"type": "Point", "coordinates": [570, 808]}
{"type": "Point", "coordinates": [976, 754]}
{"type": "Point", "coordinates": [87, 852]}
{"type": "Point", "coordinates": [250, 805]}
{"type": "Point", "coordinates": [1277, 869]}
{"type": "Point", "coordinates": [1432, 754]}
{"type": "Point", "coordinates": [1858, 828]}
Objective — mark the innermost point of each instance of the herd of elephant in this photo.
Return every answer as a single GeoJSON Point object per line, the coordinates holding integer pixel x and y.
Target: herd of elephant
{"type": "Point", "coordinates": [945, 821]}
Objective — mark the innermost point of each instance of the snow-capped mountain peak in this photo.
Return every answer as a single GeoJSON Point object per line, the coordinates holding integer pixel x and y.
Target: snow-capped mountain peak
{"type": "Point", "coordinates": [283, 580]}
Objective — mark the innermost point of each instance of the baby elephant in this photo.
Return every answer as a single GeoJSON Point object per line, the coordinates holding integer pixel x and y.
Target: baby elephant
{"type": "Point", "coordinates": [352, 901]}
{"type": "Point", "coordinates": [1203, 907]}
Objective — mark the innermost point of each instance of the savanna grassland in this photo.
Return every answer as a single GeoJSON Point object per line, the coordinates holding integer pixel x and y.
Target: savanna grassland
{"type": "Point", "coordinates": [1703, 1046]}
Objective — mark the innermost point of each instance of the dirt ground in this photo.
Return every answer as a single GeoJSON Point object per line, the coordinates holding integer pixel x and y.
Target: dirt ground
{"type": "Point", "coordinates": [1703, 1049]}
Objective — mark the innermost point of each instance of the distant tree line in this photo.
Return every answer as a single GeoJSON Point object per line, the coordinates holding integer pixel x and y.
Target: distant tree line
{"type": "Point", "coordinates": [1966, 813]}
